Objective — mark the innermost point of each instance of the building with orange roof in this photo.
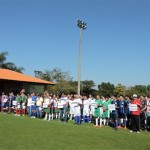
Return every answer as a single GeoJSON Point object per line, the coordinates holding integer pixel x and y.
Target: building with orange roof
{"type": "Point", "coordinates": [14, 81]}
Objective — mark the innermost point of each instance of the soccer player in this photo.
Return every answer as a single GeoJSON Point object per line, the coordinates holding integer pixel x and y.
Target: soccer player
{"type": "Point", "coordinates": [72, 109]}
{"type": "Point", "coordinates": [106, 112]}
{"type": "Point", "coordinates": [5, 103]}
{"type": "Point", "coordinates": [29, 102]}
{"type": "Point", "coordinates": [23, 98]}
{"type": "Point", "coordinates": [47, 106]}
{"type": "Point", "coordinates": [11, 98]}
{"type": "Point", "coordinates": [56, 110]}
{"type": "Point", "coordinates": [33, 105]}
{"type": "Point", "coordinates": [3, 96]}
{"type": "Point", "coordinates": [121, 117]}
{"type": "Point", "coordinates": [18, 108]}
{"type": "Point", "coordinates": [114, 113]}
{"type": "Point", "coordinates": [63, 111]}
{"type": "Point", "coordinates": [98, 111]}
{"type": "Point", "coordinates": [86, 109]}
{"type": "Point", "coordinates": [39, 104]}
{"type": "Point", "coordinates": [127, 120]}
{"type": "Point", "coordinates": [92, 107]}
{"type": "Point", "coordinates": [143, 111]}
{"type": "Point", "coordinates": [77, 108]}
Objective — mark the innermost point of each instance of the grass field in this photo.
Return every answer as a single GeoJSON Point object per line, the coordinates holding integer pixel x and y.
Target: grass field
{"type": "Point", "coordinates": [24, 133]}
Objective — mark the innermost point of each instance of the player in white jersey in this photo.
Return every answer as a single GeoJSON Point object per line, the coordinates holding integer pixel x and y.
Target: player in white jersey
{"type": "Point", "coordinates": [56, 110]}
{"type": "Point", "coordinates": [72, 108]}
{"type": "Point", "coordinates": [47, 106]}
{"type": "Point", "coordinates": [77, 104]}
{"type": "Point", "coordinates": [92, 107]}
{"type": "Point", "coordinates": [86, 110]}
{"type": "Point", "coordinates": [63, 110]}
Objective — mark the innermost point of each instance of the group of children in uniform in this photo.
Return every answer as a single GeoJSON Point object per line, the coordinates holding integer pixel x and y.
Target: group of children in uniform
{"type": "Point", "coordinates": [113, 111]}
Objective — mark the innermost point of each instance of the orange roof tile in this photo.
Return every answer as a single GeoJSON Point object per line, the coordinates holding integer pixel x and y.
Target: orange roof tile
{"type": "Point", "coordinates": [6, 74]}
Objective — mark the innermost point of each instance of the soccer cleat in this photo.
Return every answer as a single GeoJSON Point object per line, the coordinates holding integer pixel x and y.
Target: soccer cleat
{"type": "Point", "coordinates": [125, 127]}
{"type": "Point", "coordinates": [119, 127]}
{"type": "Point", "coordinates": [138, 132]}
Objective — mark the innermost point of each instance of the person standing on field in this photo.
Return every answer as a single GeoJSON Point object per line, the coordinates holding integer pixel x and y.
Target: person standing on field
{"type": "Point", "coordinates": [135, 115]}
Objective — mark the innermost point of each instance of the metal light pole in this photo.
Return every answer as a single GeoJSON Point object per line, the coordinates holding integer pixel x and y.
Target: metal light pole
{"type": "Point", "coordinates": [82, 26]}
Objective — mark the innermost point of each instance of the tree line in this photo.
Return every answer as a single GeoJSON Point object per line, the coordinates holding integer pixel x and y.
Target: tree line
{"type": "Point", "coordinates": [66, 84]}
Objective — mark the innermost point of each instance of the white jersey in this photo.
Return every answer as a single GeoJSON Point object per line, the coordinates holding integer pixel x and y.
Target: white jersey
{"type": "Point", "coordinates": [77, 107]}
{"type": "Point", "coordinates": [72, 108]}
{"type": "Point", "coordinates": [29, 101]}
{"type": "Point", "coordinates": [64, 100]}
{"type": "Point", "coordinates": [55, 103]}
{"type": "Point", "coordinates": [86, 107]}
{"type": "Point", "coordinates": [92, 107]}
{"type": "Point", "coordinates": [47, 101]}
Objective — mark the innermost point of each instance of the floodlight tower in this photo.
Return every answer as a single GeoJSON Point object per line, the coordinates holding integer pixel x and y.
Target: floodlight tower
{"type": "Point", "coordinates": [82, 26]}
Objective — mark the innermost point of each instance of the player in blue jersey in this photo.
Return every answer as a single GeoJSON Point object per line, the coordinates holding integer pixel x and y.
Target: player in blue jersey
{"type": "Point", "coordinates": [114, 113]}
{"type": "Point", "coordinates": [127, 120]}
{"type": "Point", "coordinates": [33, 106]}
{"type": "Point", "coordinates": [121, 117]}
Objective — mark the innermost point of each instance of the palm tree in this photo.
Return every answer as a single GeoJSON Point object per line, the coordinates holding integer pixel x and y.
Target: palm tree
{"type": "Point", "coordinates": [9, 65]}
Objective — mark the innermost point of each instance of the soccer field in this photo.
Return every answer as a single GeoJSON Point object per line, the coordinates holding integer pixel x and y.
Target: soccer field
{"type": "Point", "coordinates": [24, 133]}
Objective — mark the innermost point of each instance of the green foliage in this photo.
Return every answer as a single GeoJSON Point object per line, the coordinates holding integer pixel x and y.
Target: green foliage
{"type": "Point", "coordinates": [23, 133]}
{"type": "Point", "coordinates": [54, 75]}
{"type": "Point", "coordinates": [87, 87]}
{"type": "Point", "coordinates": [106, 88]}
{"type": "Point", "coordinates": [65, 83]}
{"type": "Point", "coordinates": [9, 65]}
{"type": "Point", "coordinates": [36, 89]}
{"type": "Point", "coordinates": [120, 89]}
{"type": "Point", "coordinates": [63, 87]}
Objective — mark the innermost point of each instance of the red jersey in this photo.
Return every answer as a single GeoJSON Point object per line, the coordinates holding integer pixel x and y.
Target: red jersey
{"type": "Point", "coordinates": [138, 102]}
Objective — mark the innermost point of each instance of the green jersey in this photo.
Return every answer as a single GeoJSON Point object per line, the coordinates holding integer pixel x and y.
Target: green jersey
{"type": "Point", "coordinates": [110, 101]}
{"type": "Point", "coordinates": [106, 112]}
{"type": "Point", "coordinates": [18, 99]}
{"type": "Point", "coordinates": [23, 98]}
{"type": "Point", "coordinates": [98, 111]}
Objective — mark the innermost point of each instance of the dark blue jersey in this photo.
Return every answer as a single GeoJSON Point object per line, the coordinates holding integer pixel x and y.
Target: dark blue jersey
{"type": "Point", "coordinates": [116, 102]}
{"type": "Point", "coordinates": [10, 100]}
{"type": "Point", "coordinates": [126, 106]}
{"type": "Point", "coordinates": [121, 106]}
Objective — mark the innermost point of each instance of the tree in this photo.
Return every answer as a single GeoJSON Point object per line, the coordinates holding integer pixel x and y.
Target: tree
{"type": "Point", "coordinates": [54, 75]}
{"type": "Point", "coordinates": [106, 88]}
{"type": "Point", "coordinates": [87, 87]}
{"type": "Point", "coordinates": [9, 65]}
{"type": "Point", "coordinates": [120, 89]}
{"type": "Point", "coordinates": [63, 87]}
{"type": "Point", "coordinates": [64, 83]}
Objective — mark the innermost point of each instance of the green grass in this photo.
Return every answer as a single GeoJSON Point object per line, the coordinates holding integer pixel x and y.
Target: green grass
{"type": "Point", "coordinates": [24, 133]}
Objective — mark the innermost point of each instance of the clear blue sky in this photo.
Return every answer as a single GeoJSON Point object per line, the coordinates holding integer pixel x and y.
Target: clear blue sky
{"type": "Point", "coordinates": [43, 34]}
